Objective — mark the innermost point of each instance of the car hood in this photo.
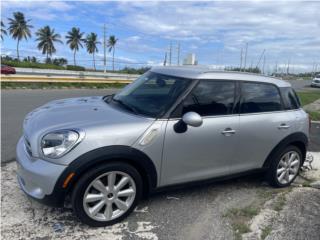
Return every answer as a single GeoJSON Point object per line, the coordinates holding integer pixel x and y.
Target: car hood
{"type": "Point", "coordinates": [91, 114]}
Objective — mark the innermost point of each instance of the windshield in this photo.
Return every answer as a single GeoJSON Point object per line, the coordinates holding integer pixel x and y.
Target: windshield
{"type": "Point", "coordinates": [152, 94]}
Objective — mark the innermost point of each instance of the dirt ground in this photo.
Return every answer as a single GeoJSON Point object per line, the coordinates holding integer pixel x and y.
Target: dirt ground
{"type": "Point", "coordinates": [244, 208]}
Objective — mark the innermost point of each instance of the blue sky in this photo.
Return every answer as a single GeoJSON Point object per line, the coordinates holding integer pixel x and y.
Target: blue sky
{"type": "Point", "coordinates": [214, 31]}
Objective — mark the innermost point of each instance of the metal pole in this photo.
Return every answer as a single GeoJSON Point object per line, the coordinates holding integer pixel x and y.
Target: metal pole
{"type": "Point", "coordinates": [245, 57]}
{"type": "Point", "coordinates": [178, 53]}
{"type": "Point", "coordinates": [241, 59]}
{"type": "Point", "coordinates": [170, 53]}
{"type": "Point", "coordinates": [262, 54]}
{"type": "Point", "coordinates": [104, 48]}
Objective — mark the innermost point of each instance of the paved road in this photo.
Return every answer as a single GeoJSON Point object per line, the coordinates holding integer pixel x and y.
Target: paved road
{"type": "Point", "coordinates": [300, 84]}
{"type": "Point", "coordinates": [17, 103]}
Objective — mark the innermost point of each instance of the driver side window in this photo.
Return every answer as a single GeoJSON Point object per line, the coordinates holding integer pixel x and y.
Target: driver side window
{"type": "Point", "coordinates": [211, 98]}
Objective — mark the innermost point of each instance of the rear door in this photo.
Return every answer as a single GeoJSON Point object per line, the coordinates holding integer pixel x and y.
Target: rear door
{"type": "Point", "coordinates": [264, 122]}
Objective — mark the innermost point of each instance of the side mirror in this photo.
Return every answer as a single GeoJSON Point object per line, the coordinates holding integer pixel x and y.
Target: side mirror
{"type": "Point", "coordinates": [192, 119]}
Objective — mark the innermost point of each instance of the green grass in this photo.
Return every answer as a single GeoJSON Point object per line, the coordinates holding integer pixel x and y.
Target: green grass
{"type": "Point", "coordinates": [246, 212]}
{"type": "Point", "coordinates": [240, 218]}
{"type": "Point", "coordinates": [49, 85]}
{"type": "Point", "coordinates": [315, 116]}
{"type": "Point", "coordinates": [239, 229]}
{"type": "Point", "coordinates": [265, 232]}
{"type": "Point", "coordinates": [279, 203]}
{"type": "Point", "coordinates": [308, 97]}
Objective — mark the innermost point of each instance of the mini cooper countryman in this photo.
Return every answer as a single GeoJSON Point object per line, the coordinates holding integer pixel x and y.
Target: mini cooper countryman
{"type": "Point", "coordinates": [172, 125]}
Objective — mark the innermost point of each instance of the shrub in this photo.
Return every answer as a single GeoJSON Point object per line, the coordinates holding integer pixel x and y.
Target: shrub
{"type": "Point", "coordinates": [26, 64]}
{"type": "Point", "coordinates": [32, 63]}
{"type": "Point", "coordinates": [75, 68]}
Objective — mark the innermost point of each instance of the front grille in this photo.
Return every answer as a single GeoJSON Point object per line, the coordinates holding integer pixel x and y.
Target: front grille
{"type": "Point", "coordinates": [317, 81]}
{"type": "Point", "coordinates": [28, 146]}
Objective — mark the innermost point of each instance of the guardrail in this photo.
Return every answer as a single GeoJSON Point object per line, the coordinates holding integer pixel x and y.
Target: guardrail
{"type": "Point", "coordinates": [56, 79]}
{"type": "Point", "coordinates": [79, 74]}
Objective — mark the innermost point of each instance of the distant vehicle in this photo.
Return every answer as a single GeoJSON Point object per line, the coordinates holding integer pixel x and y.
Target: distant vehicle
{"type": "Point", "coordinates": [316, 81]}
{"type": "Point", "coordinates": [7, 69]}
{"type": "Point", "coordinates": [173, 125]}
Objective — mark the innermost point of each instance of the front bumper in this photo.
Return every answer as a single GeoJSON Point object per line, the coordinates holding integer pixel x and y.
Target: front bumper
{"type": "Point", "coordinates": [37, 178]}
{"type": "Point", "coordinates": [314, 84]}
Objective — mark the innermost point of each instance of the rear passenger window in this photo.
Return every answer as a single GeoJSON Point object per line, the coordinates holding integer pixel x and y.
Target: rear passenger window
{"type": "Point", "coordinates": [290, 98]}
{"type": "Point", "coordinates": [211, 98]}
{"type": "Point", "coordinates": [259, 97]}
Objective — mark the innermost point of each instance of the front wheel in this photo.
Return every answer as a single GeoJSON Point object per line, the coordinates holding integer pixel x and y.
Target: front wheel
{"type": "Point", "coordinates": [107, 194]}
{"type": "Point", "coordinates": [285, 168]}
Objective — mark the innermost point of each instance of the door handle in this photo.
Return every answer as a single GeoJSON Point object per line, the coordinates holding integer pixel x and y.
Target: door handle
{"type": "Point", "coordinates": [283, 126]}
{"type": "Point", "coordinates": [228, 131]}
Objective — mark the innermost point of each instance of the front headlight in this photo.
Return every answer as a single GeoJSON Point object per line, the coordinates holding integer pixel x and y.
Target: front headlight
{"type": "Point", "coordinates": [58, 143]}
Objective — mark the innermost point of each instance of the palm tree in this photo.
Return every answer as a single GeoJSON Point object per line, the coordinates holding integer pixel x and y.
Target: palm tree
{"type": "Point", "coordinates": [3, 32]}
{"type": "Point", "coordinates": [91, 44]}
{"type": "Point", "coordinates": [74, 40]}
{"type": "Point", "coordinates": [46, 38]}
{"type": "Point", "coordinates": [19, 28]}
{"type": "Point", "coordinates": [112, 44]}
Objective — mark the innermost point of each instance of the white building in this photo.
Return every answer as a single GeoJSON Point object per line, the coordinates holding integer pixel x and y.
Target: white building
{"type": "Point", "coordinates": [190, 59]}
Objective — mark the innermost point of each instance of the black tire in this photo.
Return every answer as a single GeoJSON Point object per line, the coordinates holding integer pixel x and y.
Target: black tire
{"type": "Point", "coordinates": [87, 178]}
{"type": "Point", "coordinates": [272, 171]}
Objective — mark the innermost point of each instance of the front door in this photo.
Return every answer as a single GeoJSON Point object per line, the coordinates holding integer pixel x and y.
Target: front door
{"type": "Point", "coordinates": [202, 152]}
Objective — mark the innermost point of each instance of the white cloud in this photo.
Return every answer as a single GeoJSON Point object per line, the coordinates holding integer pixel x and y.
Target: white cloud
{"type": "Point", "coordinates": [284, 29]}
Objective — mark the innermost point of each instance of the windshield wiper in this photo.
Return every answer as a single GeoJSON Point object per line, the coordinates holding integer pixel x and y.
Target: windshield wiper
{"type": "Point", "coordinates": [128, 107]}
{"type": "Point", "coordinates": [108, 97]}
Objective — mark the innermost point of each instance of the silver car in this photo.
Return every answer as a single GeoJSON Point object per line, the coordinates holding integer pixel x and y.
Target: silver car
{"type": "Point", "coordinates": [173, 125]}
{"type": "Point", "coordinates": [316, 81]}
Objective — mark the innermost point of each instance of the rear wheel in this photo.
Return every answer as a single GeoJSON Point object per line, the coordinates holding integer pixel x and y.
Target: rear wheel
{"type": "Point", "coordinates": [107, 194]}
{"type": "Point", "coordinates": [285, 168]}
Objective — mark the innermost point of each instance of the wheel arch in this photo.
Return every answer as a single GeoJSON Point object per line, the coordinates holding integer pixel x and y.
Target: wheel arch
{"type": "Point", "coordinates": [298, 139]}
{"type": "Point", "coordinates": [119, 153]}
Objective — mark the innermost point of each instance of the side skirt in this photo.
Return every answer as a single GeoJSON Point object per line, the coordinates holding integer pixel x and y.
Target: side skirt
{"type": "Point", "coordinates": [207, 181]}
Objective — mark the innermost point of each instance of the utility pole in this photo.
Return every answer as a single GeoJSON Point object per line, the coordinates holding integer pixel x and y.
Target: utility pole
{"type": "Point", "coordinates": [262, 54]}
{"type": "Point", "coordinates": [165, 59]}
{"type": "Point", "coordinates": [104, 49]}
{"type": "Point", "coordinates": [263, 63]}
{"type": "Point", "coordinates": [241, 59]}
{"type": "Point", "coordinates": [288, 66]}
{"type": "Point", "coordinates": [170, 53]}
{"type": "Point", "coordinates": [178, 54]}
{"type": "Point", "coordinates": [245, 57]}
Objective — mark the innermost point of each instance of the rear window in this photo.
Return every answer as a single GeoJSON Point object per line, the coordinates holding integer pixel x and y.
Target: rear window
{"type": "Point", "coordinates": [259, 97]}
{"type": "Point", "coordinates": [290, 98]}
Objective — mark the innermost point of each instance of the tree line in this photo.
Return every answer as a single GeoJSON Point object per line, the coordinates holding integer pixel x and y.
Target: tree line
{"type": "Point", "coordinates": [19, 28]}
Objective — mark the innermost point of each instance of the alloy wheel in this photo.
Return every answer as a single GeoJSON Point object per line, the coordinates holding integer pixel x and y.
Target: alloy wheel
{"type": "Point", "coordinates": [288, 167]}
{"type": "Point", "coordinates": [109, 196]}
